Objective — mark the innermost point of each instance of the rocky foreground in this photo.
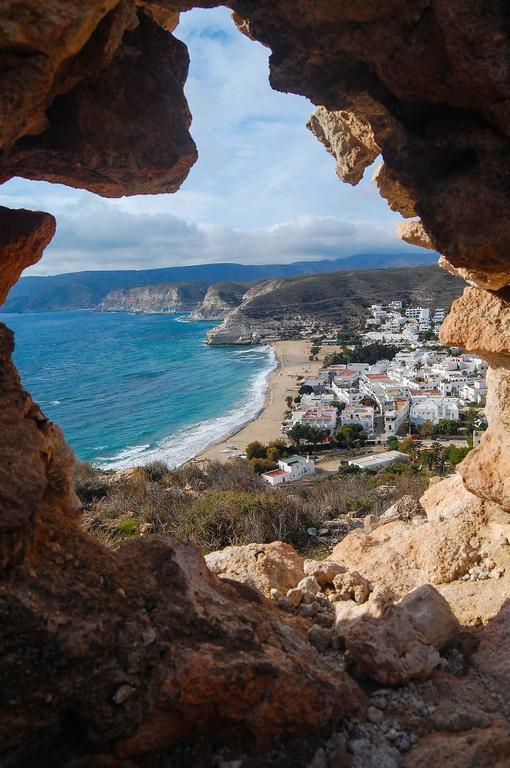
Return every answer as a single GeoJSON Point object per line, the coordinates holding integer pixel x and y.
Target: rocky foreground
{"type": "Point", "coordinates": [431, 659]}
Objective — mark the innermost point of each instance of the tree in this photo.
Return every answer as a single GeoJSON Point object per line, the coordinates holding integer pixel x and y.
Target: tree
{"type": "Point", "coordinates": [276, 449]}
{"type": "Point", "coordinates": [350, 435]}
{"type": "Point", "coordinates": [297, 433]}
{"type": "Point", "coordinates": [447, 427]}
{"type": "Point", "coordinates": [411, 447]}
{"type": "Point", "coordinates": [439, 457]}
{"type": "Point", "coordinates": [289, 401]}
{"type": "Point", "coordinates": [392, 443]}
{"type": "Point", "coordinates": [427, 429]}
{"type": "Point", "coordinates": [315, 435]}
{"type": "Point", "coordinates": [315, 350]}
{"type": "Point", "coordinates": [256, 450]}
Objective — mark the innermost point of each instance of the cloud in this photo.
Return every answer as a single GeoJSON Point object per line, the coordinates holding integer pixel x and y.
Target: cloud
{"type": "Point", "coordinates": [264, 189]}
{"type": "Point", "coordinates": [95, 236]}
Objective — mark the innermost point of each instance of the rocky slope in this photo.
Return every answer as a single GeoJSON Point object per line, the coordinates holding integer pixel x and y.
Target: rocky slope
{"type": "Point", "coordinates": [171, 298]}
{"type": "Point", "coordinates": [219, 301]}
{"type": "Point", "coordinates": [320, 303]}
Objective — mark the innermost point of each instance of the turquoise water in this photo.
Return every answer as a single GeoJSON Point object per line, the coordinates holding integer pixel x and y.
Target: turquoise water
{"type": "Point", "coordinates": [129, 389]}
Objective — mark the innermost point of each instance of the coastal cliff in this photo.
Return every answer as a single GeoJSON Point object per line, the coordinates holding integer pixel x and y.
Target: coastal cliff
{"type": "Point", "coordinates": [321, 304]}
{"type": "Point", "coordinates": [169, 298]}
{"type": "Point", "coordinates": [218, 301]}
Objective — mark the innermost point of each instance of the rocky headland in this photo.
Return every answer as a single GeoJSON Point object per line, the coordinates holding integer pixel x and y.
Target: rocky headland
{"type": "Point", "coordinates": [218, 301]}
{"type": "Point", "coordinates": [320, 304]}
{"type": "Point", "coordinates": [172, 298]}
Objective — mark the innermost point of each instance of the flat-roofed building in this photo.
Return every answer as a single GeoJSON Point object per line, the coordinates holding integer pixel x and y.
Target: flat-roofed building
{"type": "Point", "coordinates": [378, 460]}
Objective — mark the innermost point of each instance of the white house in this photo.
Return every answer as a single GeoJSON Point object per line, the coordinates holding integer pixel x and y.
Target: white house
{"type": "Point", "coordinates": [474, 392]}
{"type": "Point", "coordinates": [291, 469]}
{"type": "Point", "coordinates": [433, 409]}
{"type": "Point", "coordinates": [322, 418]}
{"type": "Point", "coordinates": [359, 414]}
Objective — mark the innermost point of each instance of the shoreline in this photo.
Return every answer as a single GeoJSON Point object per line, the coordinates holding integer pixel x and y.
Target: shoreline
{"type": "Point", "coordinates": [292, 362]}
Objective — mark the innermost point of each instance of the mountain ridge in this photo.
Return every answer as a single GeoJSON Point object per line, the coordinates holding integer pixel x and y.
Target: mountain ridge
{"type": "Point", "coordinates": [86, 290]}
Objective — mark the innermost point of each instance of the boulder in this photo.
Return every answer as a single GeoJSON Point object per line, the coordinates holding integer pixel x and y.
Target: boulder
{"type": "Point", "coordinates": [23, 237]}
{"type": "Point", "coordinates": [431, 615]}
{"type": "Point", "coordinates": [351, 586]}
{"type": "Point", "coordinates": [473, 748]}
{"type": "Point", "coordinates": [405, 508]}
{"type": "Point", "coordinates": [385, 643]}
{"type": "Point", "coordinates": [323, 570]}
{"type": "Point", "coordinates": [261, 566]}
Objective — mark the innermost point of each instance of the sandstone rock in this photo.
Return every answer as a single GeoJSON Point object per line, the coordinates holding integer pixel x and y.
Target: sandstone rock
{"type": "Point", "coordinates": [116, 108]}
{"type": "Point", "coordinates": [413, 232]}
{"type": "Point", "coordinates": [323, 570]}
{"type": "Point", "coordinates": [402, 556]}
{"type": "Point", "coordinates": [404, 508]}
{"type": "Point", "coordinates": [295, 595]}
{"type": "Point", "coordinates": [370, 522]}
{"type": "Point", "coordinates": [261, 566]}
{"type": "Point", "coordinates": [475, 748]}
{"type": "Point", "coordinates": [346, 137]}
{"type": "Point", "coordinates": [386, 644]}
{"type": "Point", "coordinates": [491, 281]}
{"type": "Point", "coordinates": [479, 322]}
{"type": "Point", "coordinates": [386, 491]}
{"type": "Point", "coordinates": [23, 237]}
{"type": "Point", "coordinates": [431, 615]}
{"type": "Point", "coordinates": [309, 585]}
{"type": "Point", "coordinates": [397, 197]}
{"type": "Point", "coordinates": [351, 586]}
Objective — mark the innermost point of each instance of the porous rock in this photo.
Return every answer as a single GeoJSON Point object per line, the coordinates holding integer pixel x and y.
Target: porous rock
{"type": "Point", "coordinates": [386, 644]}
{"type": "Point", "coordinates": [404, 508]}
{"type": "Point", "coordinates": [431, 614]}
{"type": "Point", "coordinates": [323, 570]}
{"type": "Point", "coordinates": [474, 748]}
{"type": "Point", "coordinates": [351, 586]}
{"type": "Point", "coordinates": [23, 237]}
{"type": "Point", "coordinates": [261, 566]}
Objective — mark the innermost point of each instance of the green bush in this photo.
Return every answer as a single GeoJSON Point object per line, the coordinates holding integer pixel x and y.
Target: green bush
{"type": "Point", "coordinates": [220, 518]}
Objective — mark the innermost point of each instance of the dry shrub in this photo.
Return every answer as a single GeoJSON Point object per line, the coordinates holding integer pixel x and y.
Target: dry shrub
{"type": "Point", "coordinates": [217, 504]}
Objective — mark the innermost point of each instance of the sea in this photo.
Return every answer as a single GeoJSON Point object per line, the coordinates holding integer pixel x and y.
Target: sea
{"type": "Point", "coordinates": [132, 389]}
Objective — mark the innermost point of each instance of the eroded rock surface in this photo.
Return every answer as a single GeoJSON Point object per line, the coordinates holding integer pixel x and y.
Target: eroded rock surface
{"type": "Point", "coordinates": [23, 237]}
{"type": "Point", "coordinates": [261, 566]}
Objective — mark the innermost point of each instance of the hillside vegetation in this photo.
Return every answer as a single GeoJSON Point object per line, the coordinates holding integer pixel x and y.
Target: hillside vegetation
{"type": "Point", "coordinates": [225, 504]}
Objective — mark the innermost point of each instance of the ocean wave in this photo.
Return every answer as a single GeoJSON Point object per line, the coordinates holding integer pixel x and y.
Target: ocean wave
{"type": "Point", "coordinates": [186, 443]}
{"type": "Point", "coordinates": [55, 402]}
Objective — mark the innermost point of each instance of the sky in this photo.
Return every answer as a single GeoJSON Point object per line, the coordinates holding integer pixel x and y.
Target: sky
{"type": "Point", "coordinates": [263, 190]}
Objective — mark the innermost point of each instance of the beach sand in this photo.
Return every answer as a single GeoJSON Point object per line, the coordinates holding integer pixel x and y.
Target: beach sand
{"type": "Point", "coordinates": [292, 362]}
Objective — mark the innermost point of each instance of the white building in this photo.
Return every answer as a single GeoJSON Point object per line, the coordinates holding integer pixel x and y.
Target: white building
{"type": "Point", "coordinates": [475, 392]}
{"type": "Point", "coordinates": [379, 460]}
{"type": "Point", "coordinates": [359, 414]}
{"type": "Point", "coordinates": [322, 418]}
{"type": "Point", "coordinates": [433, 409]}
{"type": "Point", "coordinates": [289, 470]}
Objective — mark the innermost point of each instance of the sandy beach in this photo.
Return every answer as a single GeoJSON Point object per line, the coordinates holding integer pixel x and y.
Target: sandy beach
{"type": "Point", "coordinates": [292, 362]}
